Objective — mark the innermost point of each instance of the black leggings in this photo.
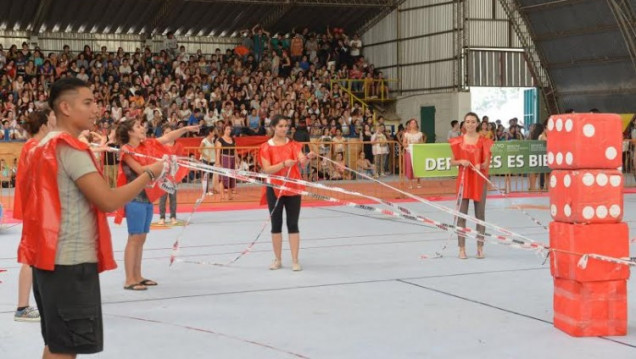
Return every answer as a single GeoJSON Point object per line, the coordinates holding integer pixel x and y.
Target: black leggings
{"type": "Point", "coordinates": [292, 210]}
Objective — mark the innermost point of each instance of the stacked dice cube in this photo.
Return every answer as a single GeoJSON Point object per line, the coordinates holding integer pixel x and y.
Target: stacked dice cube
{"type": "Point", "coordinates": [586, 204]}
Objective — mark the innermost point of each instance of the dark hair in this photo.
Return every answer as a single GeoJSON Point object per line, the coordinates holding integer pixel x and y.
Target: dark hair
{"type": "Point", "coordinates": [454, 122]}
{"type": "Point", "coordinates": [121, 133]}
{"type": "Point", "coordinates": [471, 114]}
{"type": "Point", "coordinates": [536, 131]}
{"type": "Point", "coordinates": [62, 86]}
{"type": "Point", "coordinates": [277, 118]}
{"type": "Point", "coordinates": [36, 120]}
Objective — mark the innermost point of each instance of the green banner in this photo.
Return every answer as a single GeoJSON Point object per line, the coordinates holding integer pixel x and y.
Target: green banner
{"type": "Point", "coordinates": [508, 157]}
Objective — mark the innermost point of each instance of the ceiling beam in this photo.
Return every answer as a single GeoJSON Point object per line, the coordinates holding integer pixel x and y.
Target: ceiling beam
{"type": "Point", "coordinates": [575, 32]}
{"type": "Point", "coordinates": [599, 92]}
{"type": "Point", "coordinates": [273, 17]}
{"type": "Point", "coordinates": [549, 5]}
{"type": "Point", "coordinates": [395, 4]}
{"type": "Point", "coordinates": [588, 61]}
{"type": "Point", "coordinates": [40, 15]}
{"type": "Point", "coordinates": [159, 22]}
{"type": "Point", "coordinates": [343, 3]}
{"type": "Point", "coordinates": [625, 19]}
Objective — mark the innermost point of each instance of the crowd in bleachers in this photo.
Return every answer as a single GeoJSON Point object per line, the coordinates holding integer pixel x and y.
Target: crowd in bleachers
{"type": "Point", "coordinates": [497, 132]}
{"type": "Point", "coordinates": [267, 74]}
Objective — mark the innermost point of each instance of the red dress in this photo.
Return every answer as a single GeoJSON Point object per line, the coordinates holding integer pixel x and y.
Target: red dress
{"type": "Point", "coordinates": [477, 154]}
{"type": "Point", "coordinates": [276, 154]}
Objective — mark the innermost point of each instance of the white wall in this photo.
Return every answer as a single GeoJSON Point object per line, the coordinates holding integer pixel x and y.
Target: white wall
{"type": "Point", "coordinates": [448, 106]}
{"type": "Point", "coordinates": [423, 45]}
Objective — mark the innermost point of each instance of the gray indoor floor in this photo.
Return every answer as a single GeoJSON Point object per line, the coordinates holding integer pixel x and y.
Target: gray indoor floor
{"type": "Point", "coordinates": [364, 293]}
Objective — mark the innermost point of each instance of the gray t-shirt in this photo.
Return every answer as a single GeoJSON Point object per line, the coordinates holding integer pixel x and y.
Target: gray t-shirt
{"type": "Point", "coordinates": [77, 241]}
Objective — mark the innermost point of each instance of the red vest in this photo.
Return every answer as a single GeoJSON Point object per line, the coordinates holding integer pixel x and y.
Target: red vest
{"type": "Point", "coordinates": [276, 155]}
{"type": "Point", "coordinates": [42, 211]}
{"type": "Point", "coordinates": [23, 162]}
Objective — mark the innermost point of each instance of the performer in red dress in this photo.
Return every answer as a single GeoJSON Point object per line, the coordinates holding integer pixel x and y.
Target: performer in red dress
{"type": "Point", "coordinates": [280, 156]}
{"type": "Point", "coordinates": [471, 149]}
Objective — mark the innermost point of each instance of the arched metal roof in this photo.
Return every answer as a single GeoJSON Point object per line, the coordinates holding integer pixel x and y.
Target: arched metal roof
{"type": "Point", "coordinates": [187, 17]}
{"type": "Point", "coordinates": [588, 48]}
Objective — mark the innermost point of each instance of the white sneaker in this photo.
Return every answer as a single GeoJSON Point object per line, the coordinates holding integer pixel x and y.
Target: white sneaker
{"type": "Point", "coordinates": [28, 314]}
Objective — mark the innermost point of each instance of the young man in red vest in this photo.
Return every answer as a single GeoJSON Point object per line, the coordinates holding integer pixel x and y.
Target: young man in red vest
{"type": "Point", "coordinates": [65, 237]}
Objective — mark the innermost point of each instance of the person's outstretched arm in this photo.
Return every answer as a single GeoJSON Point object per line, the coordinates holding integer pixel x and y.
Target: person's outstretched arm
{"type": "Point", "coordinates": [107, 199]}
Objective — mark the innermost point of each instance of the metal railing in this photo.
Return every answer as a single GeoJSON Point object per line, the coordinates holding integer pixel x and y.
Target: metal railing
{"type": "Point", "coordinates": [366, 90]}
{"type": "Point", "coordinates": [190, 189]}
{"type": "Point", "coordinates": [317, 170]}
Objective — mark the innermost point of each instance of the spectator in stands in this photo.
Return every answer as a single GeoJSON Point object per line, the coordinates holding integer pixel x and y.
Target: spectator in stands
{"type": "Point", "coordinates": [629, 137]}
{"type": "Point", "coordinates": [514, 133]}
{"type": "Point", "coordinates": [254, 123]}
{"type": "Point", "coordinates": [325, 143]}
{"type": "Point", "coordinates": [484, 129]}
{"type": "Point", "coordinates": [296, 48]}
{"type": "Point", "coordinates": [302, 136]}
{"type": "Point", "coordinates": [260, 41]}
{"type": "Point", "coordinates": [338, 142]}
{"type": "Point", "coordinates": [356, 47]}
{"type": "Point", "coordinates": [454, 131]}
{"type": "Point", "coordinates": [501, 133]}
{"type": "Point", "coordinates": [412, 135]}
{"type": "Point", "coordinates": [7, 130]}
{"type": "Point", "coordinates": [226, 158]}
{"type": "Point", "coordinates": [208, 156]}
{"type": "Point", "coordinates": [365, 166]}
{"type": "Point", "coordinates": [285, 65]}
{"type": "Point", "coordinates": [535, 134]}
{"type": "Point", "coordinates": [380, 149]}
{"type": "Point", "coordinates": [365, 137]}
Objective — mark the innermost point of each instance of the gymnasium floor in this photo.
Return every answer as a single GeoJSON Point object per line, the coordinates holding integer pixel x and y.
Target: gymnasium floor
{"type": "Point", "coordinates": [364, 293]}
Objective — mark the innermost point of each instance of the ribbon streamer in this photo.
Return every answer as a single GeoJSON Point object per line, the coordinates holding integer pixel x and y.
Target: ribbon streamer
{"type": "Point", "coordinates": [251, 245]}
{"type": "Point", "coordinates": [176, 245]}
{"type": "Point", "coordinates": [505, 196]}
{"type": "Point", "coordinates": [467, 232]}
{"type": "Point", "coordinates": [460, 198]}
{"type": "Point", "coordinates": [439, 207]}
